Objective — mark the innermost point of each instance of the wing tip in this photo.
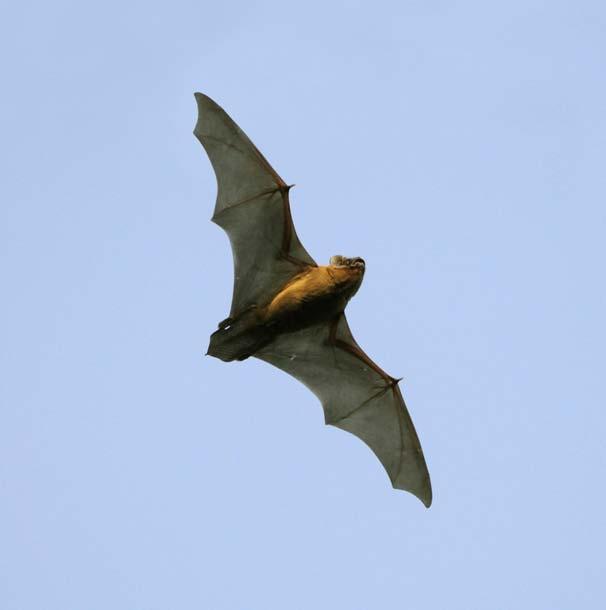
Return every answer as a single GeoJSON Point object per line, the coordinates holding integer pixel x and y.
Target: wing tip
{"type": "Point", "coordinates": [202, 97]}
{"type": "Point", "coordinates": [204, 104]}
{"type": "Point", "coordinates": [427, 498]}
{"type": "Point", "coordinates": [423, 493]}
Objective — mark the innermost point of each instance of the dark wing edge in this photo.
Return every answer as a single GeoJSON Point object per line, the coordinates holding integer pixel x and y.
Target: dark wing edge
{"type": "Point", "coordinates": [252, 206]}
{"type": "Point", "coordinates": [356, 398]}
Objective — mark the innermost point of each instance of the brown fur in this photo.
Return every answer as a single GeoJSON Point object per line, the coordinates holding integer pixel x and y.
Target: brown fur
{"type": "Point", "coordinates": [316, 295]}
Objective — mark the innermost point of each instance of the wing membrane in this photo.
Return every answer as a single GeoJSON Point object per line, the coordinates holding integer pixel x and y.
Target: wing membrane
{"type": "Point", "coordinates": [252, 207]}
{"type": "Point", "coordinates": [355, 398]}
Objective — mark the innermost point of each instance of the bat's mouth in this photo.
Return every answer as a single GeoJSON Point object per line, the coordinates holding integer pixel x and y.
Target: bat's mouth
{"type": "Point", "coordinates": [343, 261]}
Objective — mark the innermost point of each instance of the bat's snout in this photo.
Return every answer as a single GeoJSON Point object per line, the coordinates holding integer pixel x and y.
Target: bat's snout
{"type": "Point", "coordinates": [342, 261]}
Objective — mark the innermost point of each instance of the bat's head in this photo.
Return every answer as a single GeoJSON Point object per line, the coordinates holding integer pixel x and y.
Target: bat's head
{"type": "Point", "coordinates": [343, 261]}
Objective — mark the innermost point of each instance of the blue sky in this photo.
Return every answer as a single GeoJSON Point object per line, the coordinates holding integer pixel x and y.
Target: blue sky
{"type": "Point", "coordinates": [459, 148]}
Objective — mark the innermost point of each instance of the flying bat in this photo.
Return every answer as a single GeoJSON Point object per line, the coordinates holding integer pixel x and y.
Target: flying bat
{"type": "Point", "coordinates": [289, 311]}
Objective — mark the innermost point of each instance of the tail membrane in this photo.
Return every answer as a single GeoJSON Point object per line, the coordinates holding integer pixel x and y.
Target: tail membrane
{"type": "Point", "coordinates": [238, 340]}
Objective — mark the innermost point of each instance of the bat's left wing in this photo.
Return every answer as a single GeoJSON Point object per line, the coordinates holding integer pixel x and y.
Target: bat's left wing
{"type": "Point", "coordinates": [252, 207]}
{"type": "Point", "coordinates": [357, 396]}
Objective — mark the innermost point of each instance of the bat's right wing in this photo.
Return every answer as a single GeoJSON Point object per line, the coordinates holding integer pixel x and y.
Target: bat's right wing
{"type": "Point", "coordinates": [356, 397]}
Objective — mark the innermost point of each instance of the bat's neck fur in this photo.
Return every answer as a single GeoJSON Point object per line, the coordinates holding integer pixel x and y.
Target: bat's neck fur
{"type": "Point", "coordinates": [314, 296]}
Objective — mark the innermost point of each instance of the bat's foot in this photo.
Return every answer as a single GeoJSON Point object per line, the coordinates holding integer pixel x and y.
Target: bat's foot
{"type": "Point", "coordinates": [232, 320]}
{"type": "Point", "coordinates": [225, 323]}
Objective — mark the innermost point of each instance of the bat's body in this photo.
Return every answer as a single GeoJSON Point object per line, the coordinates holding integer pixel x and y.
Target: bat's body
{"type": "Point", "coordinates": [314, 296]}
{"type": "Point", "coordinates": [317, 295]}
{"type": "Point", "coordinates": [289, 311]}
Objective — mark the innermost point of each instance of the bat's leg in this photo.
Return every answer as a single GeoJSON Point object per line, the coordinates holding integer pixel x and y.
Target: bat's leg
{"type": "Point", "coordinates": [354, 350]}
{"type": "Point", "coordinates": [229, 321]}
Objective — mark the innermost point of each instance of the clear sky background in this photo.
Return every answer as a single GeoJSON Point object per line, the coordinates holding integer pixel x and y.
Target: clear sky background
{"type": "Point", "coordinates": [458, 146]}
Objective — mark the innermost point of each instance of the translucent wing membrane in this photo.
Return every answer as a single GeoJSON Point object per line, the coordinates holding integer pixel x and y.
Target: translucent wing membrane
{"type": "Point", "coordinates": [252, 207]}
{"type": "Point", "coordinates": [356, 398]}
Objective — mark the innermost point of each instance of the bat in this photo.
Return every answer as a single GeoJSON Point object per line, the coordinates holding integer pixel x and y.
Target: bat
{"type": "Point", "coordinates": [289, 311]}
